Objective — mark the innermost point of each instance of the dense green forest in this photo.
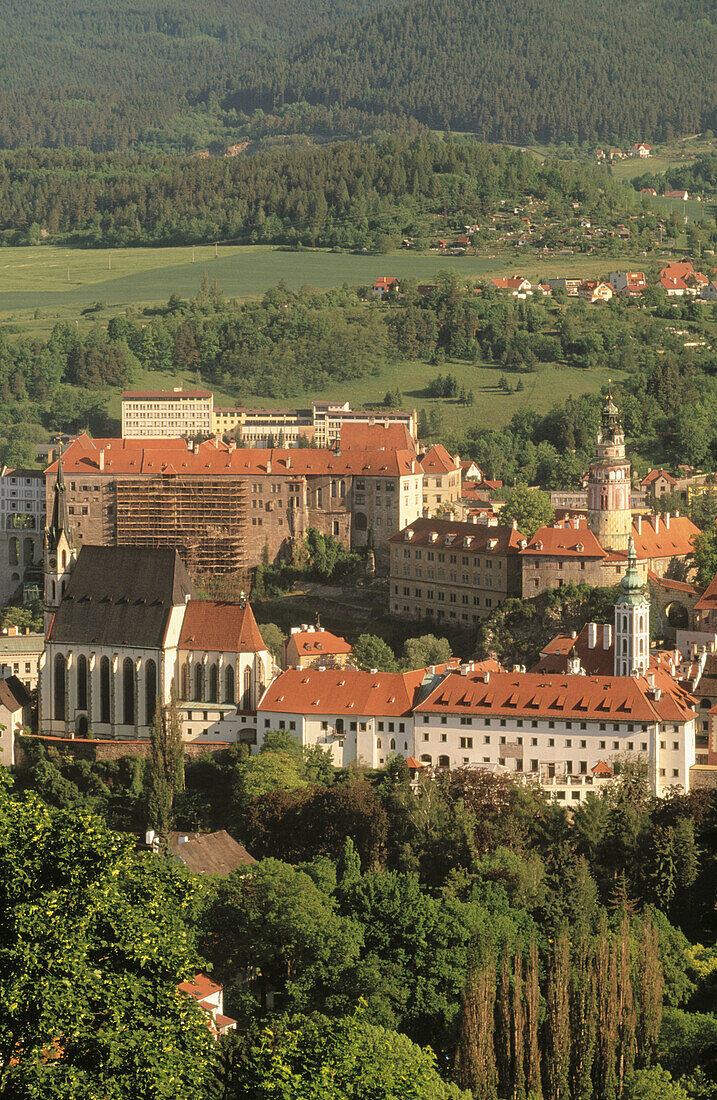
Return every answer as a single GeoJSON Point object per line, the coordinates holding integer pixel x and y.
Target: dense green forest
{"type": "Point", "coordinates": [75, 72]}
{"type": "Point", "coordinates": [521, 946]}
{"type": "Point", "coordinates": [82, 72]}
{"type": "Point", "coordinates": [508, 71]}
{"type": "Point", "coordinates": [348, 195]}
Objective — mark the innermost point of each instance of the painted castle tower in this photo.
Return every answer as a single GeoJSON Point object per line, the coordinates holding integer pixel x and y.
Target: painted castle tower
{"type": "Point", "coordinates": [632, 621]}
{"type": "Point", "coordinates": [609, 514]}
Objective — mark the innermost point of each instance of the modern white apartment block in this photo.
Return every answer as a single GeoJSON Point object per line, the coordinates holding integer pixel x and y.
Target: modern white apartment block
{"type": "Point", "coordinates": [167, 414]}
{"type": "Point", "coordinates": [321, 424]}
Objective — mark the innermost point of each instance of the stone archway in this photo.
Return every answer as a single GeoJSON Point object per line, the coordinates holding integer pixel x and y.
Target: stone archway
{"type": "Point", "coordinates": [676, 615]}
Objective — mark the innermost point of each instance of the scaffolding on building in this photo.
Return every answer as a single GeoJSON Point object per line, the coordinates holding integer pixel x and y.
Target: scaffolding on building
{"type": "Point", "coordinates": [203, 518]}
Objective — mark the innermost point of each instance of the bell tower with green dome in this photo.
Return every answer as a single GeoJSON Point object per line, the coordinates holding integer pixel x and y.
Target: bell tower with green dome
{"type": "Point", "coordinates": [609, 483]}
{"type": "Point", "coordinates": [632, 621]}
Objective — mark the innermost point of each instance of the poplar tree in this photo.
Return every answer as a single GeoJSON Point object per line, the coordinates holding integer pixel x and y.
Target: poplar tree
{"type": "Point", "coordinates": [557, 1020]}
{"type": "Point", "coordinates": [166, 769]}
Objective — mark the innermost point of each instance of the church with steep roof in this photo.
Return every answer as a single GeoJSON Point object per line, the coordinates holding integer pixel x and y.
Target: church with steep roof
{"type": "Point", "coordinates": [125, 633]}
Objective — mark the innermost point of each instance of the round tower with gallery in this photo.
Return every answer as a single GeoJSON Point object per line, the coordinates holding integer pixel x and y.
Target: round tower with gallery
{"type": "Point", "coordinates": [632, 621]}
{"type": "Point", "coordinates": [609, 483]}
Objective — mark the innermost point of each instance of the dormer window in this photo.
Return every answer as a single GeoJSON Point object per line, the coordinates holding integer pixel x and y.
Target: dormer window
{"type": "Point", "coordinates": [538, 545]}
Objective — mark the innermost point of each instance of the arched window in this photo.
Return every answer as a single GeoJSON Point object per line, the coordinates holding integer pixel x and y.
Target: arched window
{"type": "Point", "coordinates": [14, 550]}
{"type": "Point", "coordinates": [246, 696]}
{"type": "Point", "coordinates": [214, 684]}
{"type": "Point", "coordinates": [150, 690]}
{"type": "Point", "coordinates": [60, 675]}
{"type": "Point", "coordinates": [426, 759]}
{"type": "Point", "coordinates": [105, 689]}
{"type": "Point", "coordinates": [378, 742]}
{"type": "Point", "coordinates": [82, 682]}
{"type": "Point", "coordinates": [229, 696]}
{"type": "Point", "coordinates": [63, 560]}
{"type": "Point", "coordinates": [54, 591]}
{"type": "Point", "coordinates": [393, 743]}
{"type": "Point", "coordinates": [199, 683]}
{"type": "Point", "coordinates": [185, 680]}
{"type": "Point", "coordinates": [128, 691]}
{"type": "Point", "coordinates": [444, 761]}
{"type": "Point", "coordinates": [28, 551]}
{"type": "Point", "coordinates": [624, 645]}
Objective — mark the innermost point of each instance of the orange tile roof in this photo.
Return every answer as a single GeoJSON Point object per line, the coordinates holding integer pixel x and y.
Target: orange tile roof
{"type": "Point", "coordinates": [438, 461]}
{"type": "Point", "coordinates": [200, 988]}
{"type": "Point", "coordinates": [675, 586]}
{"type": "Point", "coordinates": [385, 436]}
{"type": "Point", "coordinates": [606, 698]}
{"type": "Point", "coordinates": [597, 661]}
{"type": "Point", "coordinates": [315, 643]}
{"type": "Point", "coordinates": [708, 599]}
{"type": "Point", "coordinates": [135, 457]}
{"type": "Point", "coordinates": [220, 628]}
{"type": "Point", "coordinates": [444, 534]}
{"type": "Point", "coordinates": [565, 541]}
{"type": "Point", "coordinates": [347, 693]}
{"type": "Point", "coordinates": [653, 476]}
{"type": "Point", "coordinates": [655, 540]}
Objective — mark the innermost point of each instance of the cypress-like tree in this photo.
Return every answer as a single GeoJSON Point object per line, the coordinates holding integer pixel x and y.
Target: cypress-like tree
{"type": "Point", "coordinates": [166, 769]}
{"type": "Point", "coordinates": [518, 1015]}
{"type": "Point", "coordinates": [532, 1019]}
{"type": "Point", "coordinates": [626, 1007]}
{"type": "Point", "coordinates": [503, 1028]}
{"type": "Point", "coordinates": [557, 1021]}
{"type": "Point", "coordinates": [648, 983]}
{"type": "Point", "coordinates": [582, 1019]}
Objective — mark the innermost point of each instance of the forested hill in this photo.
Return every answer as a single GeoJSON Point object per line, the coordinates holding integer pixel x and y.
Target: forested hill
{"type": "Point", "coordinates": [506, 69]}
{"type": "Point", "coordinates": [89, 72]}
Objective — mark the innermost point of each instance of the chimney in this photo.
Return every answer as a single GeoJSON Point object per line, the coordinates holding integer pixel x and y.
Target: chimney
{"type": "Point", "coordinates": [592, 635]}
{"type": "Point", "coordinates": [457, 460]}
{"type": "Point", "coordinates": [268, 465]}
{"type": "Point", "coordinates": [650, 678]}
{"type": "Point", "coordinates": [102, 459]}
{"type": "Point", "coordinates": [606, 636]}
{"type": "Point", "coordinates": [232, 445]}
{"type": "Point", "coordinates": [288, 462]}
{"type": "Point", "coordinates": [149, 837]}
{"type": "Point", "coordinates": [667, 521]}
{"type": "Point", "coordinates": [656, 523]}
{"type": "Point", "coordinates": [486, 677]}
{"type": "Point", "coordinates": [12, 631]}
{"type": "Point", "coordinates": [515, 525]}
{"type": "Point", "coordinates": [638, 524]}
{"type": "Point", "coordinates": [182, 838]}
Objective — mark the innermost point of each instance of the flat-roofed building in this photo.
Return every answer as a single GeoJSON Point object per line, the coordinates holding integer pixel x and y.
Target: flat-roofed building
{"type": "Point", "coordinates": [155, 414]}
{"type": "Point", "coordinates": [20, 652]}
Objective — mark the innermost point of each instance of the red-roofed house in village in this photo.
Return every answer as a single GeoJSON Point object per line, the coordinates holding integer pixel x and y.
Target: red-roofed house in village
{"type": "Point", "coordinates": [313, 647]}
{"type": "Point", "coordinates": [441, 479]}
{"type": "Point", "coordinates": [209, 996]}
{"type": "Point", "coordinates": [518, 285]}
{"type": "Point", "coordinates": [384, 285]}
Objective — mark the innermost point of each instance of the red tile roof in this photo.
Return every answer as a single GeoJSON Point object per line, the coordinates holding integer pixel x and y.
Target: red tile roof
{"type": "Point", "coordinates": [708, 599]}
{"type": "Point", "coordinates": [602, 769]}
{"type": "Point", "coordinates": [346, 693]}
{"type": "Point", "coordinates": [200, 988]}
{"type": "Point", "coordinates": [376, 437]}
{"type": "Point", "coordinates": [675, 586]}
{"type": "Point", "coordinates": [445, 534]}
{"type": "Point", "coordinates": [513, 282]}
{"type": "Point", "coordinates": [385, 281]}
{"type": "Point", "coordinates": [606, 698]}
{"type": "Point", "coordinates": [438, 461]}
{"type": "Point", "coordinates": [135, 457]}
{"type": "Point", "coordinates": [316, 643]}
{"type": "Point", "coordinates": [597, 661]}
{"type": "Point", "coordinates": [655, 540]}
{"type": "Point", "coordinates": [163, 395]}
{"type": "Point", "coordinates": [220, 627]}
{"type": "Point", "coordinates": [653, 475]}
{"type": "Point", "coordinates": [565, 541]}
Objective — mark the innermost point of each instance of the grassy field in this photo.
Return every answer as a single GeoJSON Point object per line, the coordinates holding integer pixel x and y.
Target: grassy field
{"type": "Point", "coordinates": [543, 389]}
{"type": "Point", "coordinates": [35, 292]}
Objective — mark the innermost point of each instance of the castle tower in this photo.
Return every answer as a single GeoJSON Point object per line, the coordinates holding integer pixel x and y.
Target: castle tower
{"type": "Point", "coordinates": [609, 513]}
{"type": "Point", "coordinates": [60, 552]}
{"type": "Point", "coordinates": [632, 621]}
